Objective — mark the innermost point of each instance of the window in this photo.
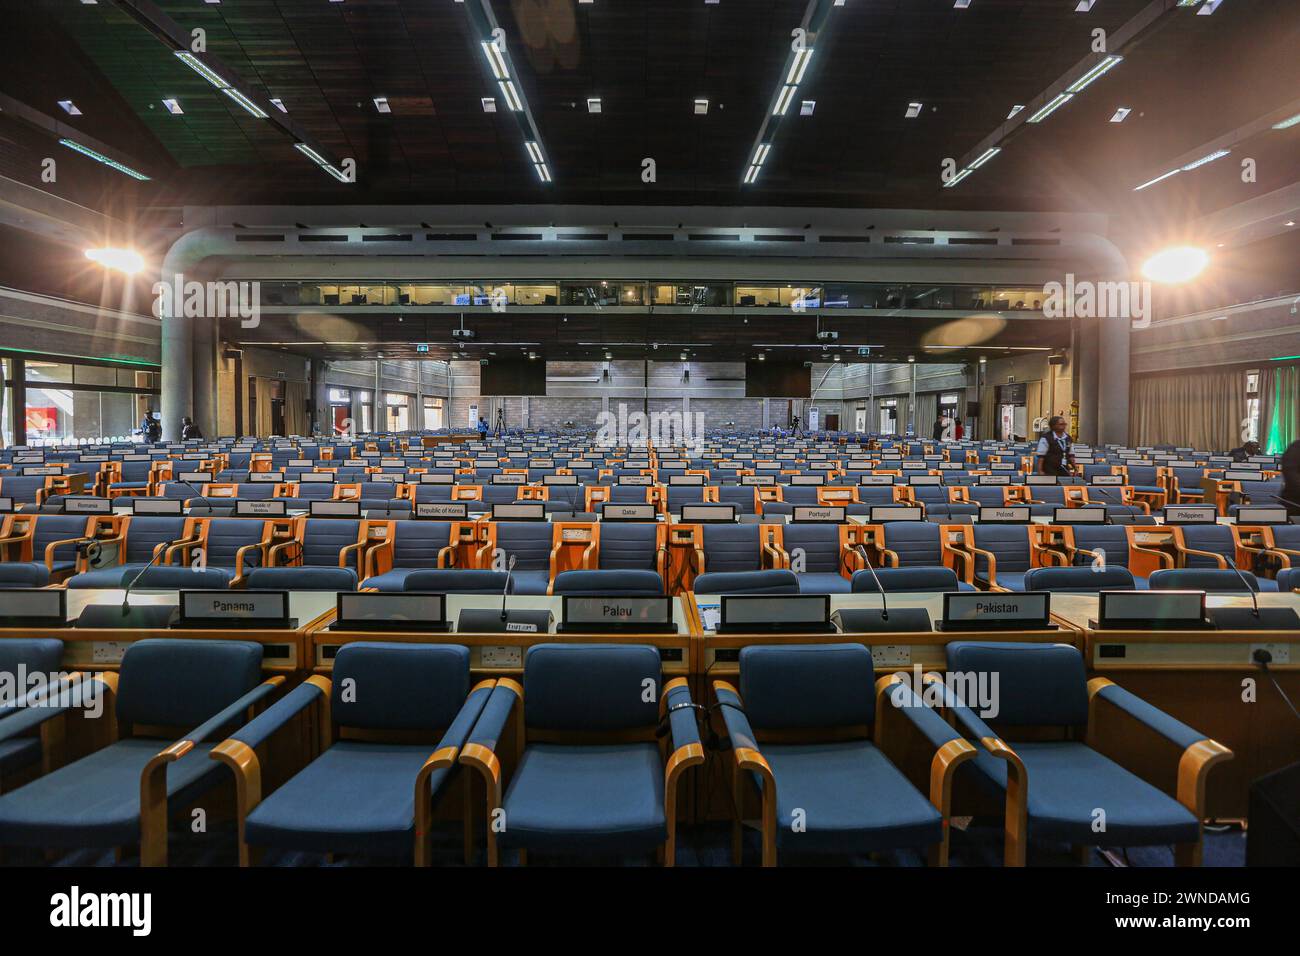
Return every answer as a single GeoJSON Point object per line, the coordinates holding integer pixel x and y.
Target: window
{"type": "Point", "coordinates": [77, 402]}
{"type": "Point", "coordinates": [434, 414]}
{"type": "Point", "coordinates": [1250, 427]}
{"type": "Point", "coordinates": [398, 417]}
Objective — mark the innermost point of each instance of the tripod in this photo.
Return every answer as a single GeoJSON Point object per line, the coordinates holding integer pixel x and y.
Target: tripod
{"type": "Point", "coordinates": [796, 430]}
{"type": "Point", "coordinates": [501, 422]}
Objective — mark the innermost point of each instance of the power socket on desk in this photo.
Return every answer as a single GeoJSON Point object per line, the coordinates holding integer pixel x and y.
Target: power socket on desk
{"type": "Point", "coordinates": [501, 656]}
{"type": "Point", "coordinates": [1281, 653]}
{"type": "Point", "coordinates": [891, 655]}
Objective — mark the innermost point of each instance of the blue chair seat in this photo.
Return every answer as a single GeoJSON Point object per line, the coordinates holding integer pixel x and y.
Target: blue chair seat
{"type": "Point", "coordinates": [302, 579]}
{"type": "Point", "coordinates": [95, 802]}
{"type": "Point", "coordinates": [531, 582]}
{"type": "Point", "coordinates": [823, 582]}
{"type": "Point", "coordinates": [354, 798]}
{"type": "Point", "coordinates": [24, 574]}
{"type": "Point", "coordinates": [590, 797]}
{"type": "Point", "coordinates": [105, 577]}
{"type": "Point", "coordinates": [454, 581]}
{"type": "Point", "coordinates": [18, 753]}
{"type": "Point", "coordinates": [1150, 489]}
{"type": "Point", "coordinates": [1012, 580]}
{"type": "Point", "coordinates": [853, 799]}
{"type": "Point", "coordinates": [1069, 781]}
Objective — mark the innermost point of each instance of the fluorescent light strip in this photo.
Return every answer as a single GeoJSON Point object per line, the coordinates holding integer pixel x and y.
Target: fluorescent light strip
{"type": "Point", "coordinates": [760, 154]}
{"type": "Point", "coordinates": [543, 173]}
{"type": "Point", "coordinates": [1098, 71]}
{"type": "Point", "coordinates": [101, 158]}
{"type": "Point", "coordinates": [495, 60]}
{"type": "Point", "coordinates": [202, 69]}
{"type": "Point", "coordinates": [511, 96]}
{"type": "Point", "coordinates": [1198, 163]}
{"type": "Point", "coordinates": [800, 64]}
{"type": "Point", "coordinates": [322, 162]}
{"type": "Point", "coordinates": [1288, 123]}
{"type": "Point", "coordinates": [1158, 179]}
{"type": "Point", "coordinates": [988, 154]}
{"type": "Point", "coordinates": [751, 175]}
{"type": "Point", "coordinates": [533, 151]}
{"type": "Point", "coordinates": [958, 178]}
{"type": "Point", "coordinates": [245, 102]}
{"type": "Point", "coordinates": [783, 101]}
{"type": "Point", "coordinates": [1060, 100]}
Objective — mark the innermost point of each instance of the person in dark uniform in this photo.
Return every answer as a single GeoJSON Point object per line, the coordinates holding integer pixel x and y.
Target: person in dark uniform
{"type": "Point", "coordinates": [1055, 448]}
{"type": "Point", "coordinates": [1245, 451]}
{"type": "Point", "coordinates": [937, 432]}
{"type": "Point", "coordinates": [1291, 479]}
{"type": "Point", "coordinates": [190, 431]}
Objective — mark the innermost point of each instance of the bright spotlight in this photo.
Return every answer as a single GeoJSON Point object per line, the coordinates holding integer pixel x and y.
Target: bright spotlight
{"type": "Point", "coordinates": [1179, 264]}
{"type": "Point", "coordinates": [122, 260]}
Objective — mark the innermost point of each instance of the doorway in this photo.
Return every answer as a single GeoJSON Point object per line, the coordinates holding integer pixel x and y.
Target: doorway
{"type": "Point", "coordinates": [889, 417]}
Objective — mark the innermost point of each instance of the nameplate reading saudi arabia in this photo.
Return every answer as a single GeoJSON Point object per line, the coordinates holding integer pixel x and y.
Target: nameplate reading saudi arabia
{"type": "Point", "coordinates": [234, 605]}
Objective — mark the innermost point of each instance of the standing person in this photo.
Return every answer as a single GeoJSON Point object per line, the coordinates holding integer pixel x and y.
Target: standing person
{"type": "Point", "coordinates": [1055, 449]}
{"type": "Point", "coordinates": [960, 431]}
{"type": "Point", "coordinates": [940, 424]}
{"type": "Point", "coordinates": [1291, 478]}
{"type": "Point", "coordinates": [482, 428]}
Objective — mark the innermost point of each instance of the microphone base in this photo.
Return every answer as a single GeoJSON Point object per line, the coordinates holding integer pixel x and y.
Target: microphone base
{"type": "Point", "coordinates": [1244, 619]}
{"type": "Point", "coordinates": [488, 621]}
{"type": "Point", "coordinates": [142, 616]}
{"type": "Point", "coordinates": [862, 620]}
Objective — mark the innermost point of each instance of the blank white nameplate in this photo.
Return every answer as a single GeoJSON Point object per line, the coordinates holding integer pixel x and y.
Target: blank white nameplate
{"type": "Point", "coordinates": [235, 606]}
{"type": "Point", "coordinates": [1151, 609]}
{"type": "Point", "coordinates": [369, 454]}
{"type": "Point", "coordinates": [628, 512]}
{"type": "Point", "coordinates": [391, 463]}
{"type": "Point", "coordinates": [301, 463]}
{"type": "Point", "coordinates": [1106, 480]}
{"type": "Point", "coordinates": [33, 606]}
{"type": "Point", "coordinates": [1003, 466]}
{"type": "Point", "coordinates": [925, 479]}
{"type": "Point", "coordinates": [1191, 514]}
{"type": "Point", "coordinates": [334, 509]}
{"type": "Point", "coordinates": [1042, 480]}
{"type": "Point", "coordinates": [378, 607]}
{"type": "Point", "coordinates": [881, 513]}
{"type": "Point", "coordinates": [764, 611]}
{"type": "Point", "coordinates": [807, 479]}
{"type": "Point", "coordinates": [438, 478]}
{"type": "Point", "coordinates": [636, 479]}
{"type": "Point", "coordinates": [1010, 515]}
{"type": "Point", "coordinates": [442, 509]}
{"type": "Point", "coordinates": [86, 459]}
{"type": "Point", "coordinates": [6, 505]}
{"type": "Point", "coordinates": [1259, 459]}
{"type": "Point", "coordinates": [271, 508]}
{"type": "Point", "coordinates": [1237, 474]}
{"type": "Point", "coordinates": [1079, 516]}
{"type": "Point", "coordinates": [38, 459]}
{"type": "Point", "coordinates": [316, 478]}
{"type": "Point", "coordinates": [1249, 515]}
{"type": "Point", "coordinates": [156, 506]}
{"type": "Point", "coordinates": [579, 463]}
{"type": "Point", "coordinates": [708, 512]}
{"type": "Point", "coordinates": [194, 477]}
{"type": "Point", "coordinates": [559, 479]}
{"type": "Point", "coordinates": [87, 506]}
{"type": "Point", "coordinates": [687, 479]}
{"type": "Point", "coordinates": [519, 511]}
{"type": "Point", "coordinates": [198, 457]}
{"type": "Point", "coordinates": [808, 514]}
{"type": "Point", "coordinates": [1084, 460]}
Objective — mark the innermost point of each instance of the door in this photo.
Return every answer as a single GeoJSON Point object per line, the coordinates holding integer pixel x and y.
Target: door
{"type": "Point", "coordinates": [832, 423]}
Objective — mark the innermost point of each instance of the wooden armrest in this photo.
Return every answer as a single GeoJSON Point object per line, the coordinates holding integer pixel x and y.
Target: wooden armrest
{"type": "Point", "coordinates": [55, 545]}
{"type": "Point", "coordinates": [343, 552]}
{"type": "Point", "coordinates": [1223, 562]}
{"type": "Point", "coordinates": [1193, 767]}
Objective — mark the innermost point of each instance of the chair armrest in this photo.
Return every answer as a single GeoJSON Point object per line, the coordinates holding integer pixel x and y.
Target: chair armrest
{"type": "Point", "coordinates": [778, 555]}
{"type": "Point", "coordinates": [891, 557]}
{"type": "Point", "coordinates": [990, 557]}
{"type": "Point", "coordinates": [262, 727]}
{"type": "Point", "coordinates": [446, 557]}
{"type": "Point", "coordinates": [491, 722]}
{"type": "Point", "coordinates": [467, 717]}
{"type": "Point", "coordinates": [343, 553]}
{"type": "Point", "coordinates": [271, 556]}
{"type": "Point", "coordinates": [32, 711]}
{"type": "Point", "coordinates": [680, 712]}
{"type": "Point", "coordinates": [1223, 562]}
{"type": "Point", "coordinates": [588, 553]}
{"type": "Point", "coordinates": [239, 558]}
{"type": "Point", "coordinates": [54, 545]}
{"type": "Point", "coordinates": [734, 717]}
{"type": "Point", "coordinates": [180, 546]}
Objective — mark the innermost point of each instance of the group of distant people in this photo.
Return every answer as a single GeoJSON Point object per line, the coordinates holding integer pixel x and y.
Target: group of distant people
{"type": "Point", "coordinates": [946, 429]}
{"type": "Point", "coordinates": [151, 428]}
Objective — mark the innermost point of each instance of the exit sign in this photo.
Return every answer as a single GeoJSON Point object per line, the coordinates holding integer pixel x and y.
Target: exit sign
{"type": "Point", "coordinates": [422, 348]}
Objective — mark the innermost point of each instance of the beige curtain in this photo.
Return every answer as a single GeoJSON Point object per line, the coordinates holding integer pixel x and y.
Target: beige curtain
{"type": "Point", "coordinates": [295, 408]}
{"type": "Point", "coordinates": [265, 395]}
{"type": "Point", "coordinates": [1203, 410]}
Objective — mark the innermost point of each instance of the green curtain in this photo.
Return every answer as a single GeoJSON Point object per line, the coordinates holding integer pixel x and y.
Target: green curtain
{"type": "Point", "coordinates": [1279, 408]}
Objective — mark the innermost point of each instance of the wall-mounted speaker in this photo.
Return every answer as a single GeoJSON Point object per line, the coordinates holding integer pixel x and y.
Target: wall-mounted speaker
{"type": "Point", "coordinates": [972, 409]}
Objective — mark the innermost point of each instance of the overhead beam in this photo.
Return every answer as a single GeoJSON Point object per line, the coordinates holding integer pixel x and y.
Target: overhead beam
{"type": "Point", "coordinates": [66, 135]}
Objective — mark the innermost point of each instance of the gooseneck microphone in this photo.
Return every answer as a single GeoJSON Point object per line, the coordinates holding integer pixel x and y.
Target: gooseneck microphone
{"type": "Point", "coordinates": [159, 552]}
{"type": "Point", "coordinates": [1254, 596]}
{"type": "Point", "coordinates": [127, 617]}
{"type": "Point", "coordinates": [884, 605]}
{"type": "Point", "coordinates": [510, 567]}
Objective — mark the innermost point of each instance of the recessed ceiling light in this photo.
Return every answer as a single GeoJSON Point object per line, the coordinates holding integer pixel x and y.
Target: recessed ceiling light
{"type": "Point", "coordinates": [381, 104]}
{"type": "Point", "coordinates": [913, 110]}
{"type": "Point", "coordinates": [173, 106]}
{"type": "Point", "coordinates": [70, 107]}
{"type": "Point", "coordinates": [806, 107]}
{"type": "Point", "coordinates": [701, 107]}
{"type": "Point", "coordinates": [1121, 114]}
{"type": "Point", "coordinates": [1085, 6]}
{"type": "Point", "coordinates": [279, 105]}
{"type": "Point", "coordinates": [489, 104]}
{"type": "Point", "coordinates": [1290, 222]}
{"type": "Point", "coordinates": [961, 4]}
{"type": "Point", "coordinates": [1198, 163]}
{"type": "Point", "coordinates": [593, 104]}
{"type": "Point", "coordinates": [1015, 109]}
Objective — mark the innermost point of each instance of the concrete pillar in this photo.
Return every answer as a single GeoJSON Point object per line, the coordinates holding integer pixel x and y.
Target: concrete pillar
{"type": "Point", "coordinates": [1113, 381]}
{"type": "Point", "coordinates": [205, 375]}
{"type": "Point", "coordinates": [1085, 363]}
{"type": "Point", "coordinates": [378, 413]}
{"type": "Point", "coordinates": [177, 374]}
{"type": "Point", "coordinates": [319, 399]}
{"type": "Point", "coordinates": [915, 426]}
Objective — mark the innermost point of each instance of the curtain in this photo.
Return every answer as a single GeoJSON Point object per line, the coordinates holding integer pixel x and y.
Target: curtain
{"type": "Point", "coordinates": [265, 395]}
{"type": "Point", "coordinates": [1279, 408]}
{"type": "Point", "coordinates": [1203, 410]}
{"type": "Point", "coordinates": [927, 410]}
{"type": "Point", "coordinates": [295, 408]}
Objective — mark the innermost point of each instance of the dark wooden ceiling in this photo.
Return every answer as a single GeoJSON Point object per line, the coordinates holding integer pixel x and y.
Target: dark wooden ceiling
{"type": "Point", "coordinates": [1194, 79]}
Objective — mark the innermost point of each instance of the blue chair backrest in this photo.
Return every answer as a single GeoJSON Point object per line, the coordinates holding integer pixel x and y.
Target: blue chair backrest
{"type": "Point", "coordinates": [590, 687]}
{"type": "Point", "coordinates": [37, 655]}
{"type": "Point", "coordinates": [1008, 543]}
{"type": "Point", "coordinates": [433, 492]}
{"type": "Point", "coordinates": [416, 543]}
{"type": "Point", "coordinates": [927, 494]}
{"type": "Point", "coordinates": [820, 544]}
{"type": "Point", "coordinates": [813, 686]}
{"type": "Point", "coordinates": [256, 490]}
{"type": "Point", "coordinates": [500, 494]}
{"type": "Point", "coordinates": [146, 532]}
{"type": "Point", "coordinates": [800, 494]}
{"type": "Point", "coordinates": [1078, 580]}
{"type": "Point", "coordinates": [529, 542]}
{"type": "Point", "coordinates": [1287, 536]}
{"type": "Point", "coordinates": [916, 580]}
{"type": "Point", "coordinates": [135, 471]}
{"type": "Point", "coordinates": [1038, 684]}
{"type": "Point", "coordinates": [21, 488]}
{"type": "Point", "coordinates": [732, 547]}
{"type": "Point", "coordinates": [1210, 580]}
{"type": "Point", "coordinates": [172, 682]}
{"type": "Point", "coordinates": [772, 581]}
{"type": "Point", "coordinates": [51, 528]}
{"type": "Point", "coordinates": [679, 495]}
{"type": "Point", "coordinates": [598, 583]}
{"type": "Point", "coordinates": [227, 535]}
{"type": "Point", "coordinates": [628, 546]}
{"type": "Point", "coordinates": [1142, 475]}
{"type": "Point", "coordinates": [917, 543]}
{"type": "Point", "coordinates": [988, 495]}
{"type": "Point", "coordinates": [399, 686]}
{"type": "Point", "coordinates": [324, 538]}
{"type": "Point", "coordinates": [459, 581]}
{"type": "Point", "coordinates": [1215, 538]}
{"type": "Point", "coordinates": [1112, 539]}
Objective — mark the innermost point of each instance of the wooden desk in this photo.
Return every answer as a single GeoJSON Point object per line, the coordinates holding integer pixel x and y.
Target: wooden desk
{"type": "Point", "coordinates": [432, 441]}
{"type": "Point", "coordinates": [101, 649]}
{"type": "Point", "coordinates": [501, 654]}
{"type": "Point", "coordinates": [1207, 680]}
{"type": "Point", "coordinates": [718, 654]}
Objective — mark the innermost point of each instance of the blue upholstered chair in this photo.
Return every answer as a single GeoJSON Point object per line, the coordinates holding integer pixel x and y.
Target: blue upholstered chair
{"type": "Point", "coordinates": [23, 489]}
{"type": "Point", "coordinates": [1084, 544]}
{"type": "Point", "coordinates": [743, 497]}
{"type": "Point", "coordinates": [530, 544]}
{"type": "Point", "coordinates": [141, 539]}
{"type": "Point", "coordinates": [1079, 580]}
{"type": "Point", "coordinates": [817, 554]}
{"type": "Point", "coordinates": [1210, 580]}
{"type": "Point", "coordinates": [409, 546]}
{"type": "Point", "coordinates": [24, 749]}
{"type": "Point", "coordinates": [774, 581]}
{"type": "Point", "coordinates": [46, 544]}
{"type": "Point", "coordinates": [162, 577]}
{"type": "Point", "coordinates": [632, 546]}
{"type": "Point", "coordinates": [23, 574]}
{"type": "Point", "coordinates": [1043, 747]}
{"type": "Point", "coordinates": [916, 580]}
{"type": "Point", "coordinates": [362, 793]}
{"type": "Point", "coordinates": [233, 545]}
{"type": "Point", "coordinates": [591, 774]}
{"type": "Point", "coordinates": [1288, 579]}
{"type": "Point", "coordinates": [631, 583]}
{"type": "Point", "coordinates": [726, 547]}
{"type": "Point", "coordinates": [124, 793]}
{"type": "Point", "coordinates": [1001, 555]}
{"type": "Point", "coordinates": [912, 544]}
{"type": "Point", "coordinates": [802, 732]}
{"type": "Point", "coordinates": [1205, 546]}
{"type": "Point", "coordinates": [301, 579]}
{"type": "Point", "coordinates": [458, 581]}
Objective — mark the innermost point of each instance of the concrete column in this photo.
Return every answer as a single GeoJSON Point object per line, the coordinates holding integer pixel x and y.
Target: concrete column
{"type": "Point", "coordinates": [1085, 363]}
{"type": "Point", "coordinates": [378, 413]}
{"type": "Point", "coordinates": [205, 375]}
{"type": "Point", "coordinates": [1113, 381]}
{"type": "Point", "coordinates": [319, 399]}
{"type": "Point", "coordinates": [177, 374]}
{"type": "Point", "coordinates": [911, 403]}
